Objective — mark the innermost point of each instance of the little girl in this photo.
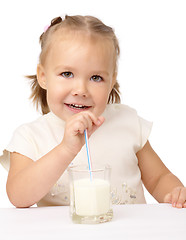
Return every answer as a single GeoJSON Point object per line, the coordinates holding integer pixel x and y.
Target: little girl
{"type": "Point", "coordinates": [76, 87]}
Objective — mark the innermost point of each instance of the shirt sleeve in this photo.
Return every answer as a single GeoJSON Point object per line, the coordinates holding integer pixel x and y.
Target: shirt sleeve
{"type": "Point", "coordinates": [145, 130]}
{"type": "Point", "coordinates": [22, 143]}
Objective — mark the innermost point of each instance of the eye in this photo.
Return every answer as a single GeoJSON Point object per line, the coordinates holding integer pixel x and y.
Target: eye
{"type": "Point", "coordinates": [67, 74]}
{"type": "Point", "coordinates": [96, 78]}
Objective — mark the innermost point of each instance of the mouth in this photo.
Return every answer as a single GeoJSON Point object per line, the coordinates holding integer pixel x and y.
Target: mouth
{"type": "Point", "coordinates": [77, 106]}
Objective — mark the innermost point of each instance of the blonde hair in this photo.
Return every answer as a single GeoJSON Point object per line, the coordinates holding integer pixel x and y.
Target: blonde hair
{"type": "Point", "coordinates": [88, 23]}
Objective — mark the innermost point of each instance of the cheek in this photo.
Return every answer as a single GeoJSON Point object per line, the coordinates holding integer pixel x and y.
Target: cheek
{"type": "Point", "coordinates": [101, 104]}
{"type": "Point", "coordinates": [54, 92]}
{"type": "Point", "coordinates": [103, 93]}
{"type": "Point", "coordinates": [101, 99]}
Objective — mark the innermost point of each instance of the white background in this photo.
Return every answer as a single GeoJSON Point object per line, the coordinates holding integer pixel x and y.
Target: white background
{"type": "Point", "coordinates": [152, 66]}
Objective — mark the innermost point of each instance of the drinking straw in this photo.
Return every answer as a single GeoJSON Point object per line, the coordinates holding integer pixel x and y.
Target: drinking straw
{"type": "Point", "coordinates": [88, 153]}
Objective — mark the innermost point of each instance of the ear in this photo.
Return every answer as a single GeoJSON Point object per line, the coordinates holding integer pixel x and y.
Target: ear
{"type": "Point", "coordinates": [41, 78]}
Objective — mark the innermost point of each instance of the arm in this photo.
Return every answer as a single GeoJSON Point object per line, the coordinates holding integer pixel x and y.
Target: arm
{"type": "Point", "coordinates": [159, 181]}
{"type": "Point", "coordinates": [30, 181]}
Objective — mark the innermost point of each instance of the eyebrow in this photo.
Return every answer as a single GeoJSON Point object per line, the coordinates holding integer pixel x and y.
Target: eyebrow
{"type": "Point", "coordinates": [63, 66]}
{"type": "Point", "coordinates": [101, 72]}
{"type": "Point", "coordinates": [94, 72]}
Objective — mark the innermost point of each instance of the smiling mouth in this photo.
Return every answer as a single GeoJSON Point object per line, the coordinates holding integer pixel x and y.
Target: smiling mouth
{"type": "Point", "coordinates": [77, 106]}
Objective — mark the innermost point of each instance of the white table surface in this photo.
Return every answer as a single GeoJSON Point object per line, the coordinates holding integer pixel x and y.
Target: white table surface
{"type": "Point", "coordinates": [156, 221]}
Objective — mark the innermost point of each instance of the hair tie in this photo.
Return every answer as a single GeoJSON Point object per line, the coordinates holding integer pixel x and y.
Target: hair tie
{"type": "Point", "coordinates": [46, 28]}
{"type": "Point", "coordinates": [56, 21]}
{"type": "Point", "coordinates": [53, 22]}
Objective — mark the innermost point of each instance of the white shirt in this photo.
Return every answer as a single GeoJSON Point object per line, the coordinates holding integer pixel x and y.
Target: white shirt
{"type": "Point", "coordinates": [115, 143]}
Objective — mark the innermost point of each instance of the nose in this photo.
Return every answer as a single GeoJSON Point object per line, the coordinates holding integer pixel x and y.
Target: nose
{"type": "Point", "coordinates": [80, 88]}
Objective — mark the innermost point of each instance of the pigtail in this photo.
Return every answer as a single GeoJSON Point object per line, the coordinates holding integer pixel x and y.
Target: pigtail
{"type": "Point", "coordinates": [38, 94]}
{"type": "Point", "coordinates": [114, 96]}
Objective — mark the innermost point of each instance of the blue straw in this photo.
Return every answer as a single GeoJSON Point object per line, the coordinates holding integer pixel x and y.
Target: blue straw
{"type": "Point", "coordinates": [88, 153]}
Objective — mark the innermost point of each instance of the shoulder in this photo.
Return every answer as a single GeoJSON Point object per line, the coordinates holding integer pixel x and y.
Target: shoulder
{"type": "Point", "coordinates": [119, 107]}
{"type": "Point", "coordinates": [113, 111]}
{"type": "Point", "coordinates": [125, 121]}
{"type": "Point", "coordinates": [43, 129]}
{"type": "Point", "coordinates": [34, 125]}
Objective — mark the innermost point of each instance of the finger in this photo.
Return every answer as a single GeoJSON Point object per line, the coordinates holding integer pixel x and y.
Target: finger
{"type": "Point", "coordinates": [93, 122]}
{"type": "Point", "coordinates": [175, 195]}
{"type": "Point", "coordinates": [79, 124]}
{"type": "Point", "coordinates": [78, 127]}
{"type": "Point", "coordinates": [101, 120]}
{"type": "Point", "coordinates": [85, 120]}
{"type": "Point", "coordinates": [168, 198]}
{"type": "Point", "coordinates": [96, 120]}
{"type": "Point", "coordinates": [182, 198]}
{"type": "Point", "coordinates": [184, 205]}
{"type": "Point", "coordinates": [90, 121]}
{"type": "Point", "coordinates": [95, 127]}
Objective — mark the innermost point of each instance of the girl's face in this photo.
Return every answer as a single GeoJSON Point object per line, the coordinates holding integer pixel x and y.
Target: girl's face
{"type": "Point", "coordinates": [77, 74]}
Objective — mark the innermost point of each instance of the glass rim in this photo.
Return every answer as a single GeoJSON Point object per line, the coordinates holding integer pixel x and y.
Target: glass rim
{"type": "Point", "coordinates": [84, 168]}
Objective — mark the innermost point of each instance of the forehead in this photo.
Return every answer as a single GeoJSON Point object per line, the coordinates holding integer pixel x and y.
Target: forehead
{"type": "Point", "coordinates": [80, 34]}
{"type": "Point", "coordinates": [79, 40]}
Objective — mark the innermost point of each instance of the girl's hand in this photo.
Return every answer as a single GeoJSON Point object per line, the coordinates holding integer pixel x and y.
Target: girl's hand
{"type": "Point", "coordinates": [74, 138]}
{"type": "Point", "coordinates": [177, 197]}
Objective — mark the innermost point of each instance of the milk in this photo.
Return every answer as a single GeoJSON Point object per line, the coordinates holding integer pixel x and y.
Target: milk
{"type": "Point", "coordinates": [91, 197]}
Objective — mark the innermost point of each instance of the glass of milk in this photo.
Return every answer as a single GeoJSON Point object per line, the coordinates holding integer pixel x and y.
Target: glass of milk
{"type": "Point", "coordinates": [90, 200]}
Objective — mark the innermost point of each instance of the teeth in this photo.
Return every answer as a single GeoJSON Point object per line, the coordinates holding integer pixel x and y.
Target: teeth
{"type": "Point", "coordinates": [77, 106]}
